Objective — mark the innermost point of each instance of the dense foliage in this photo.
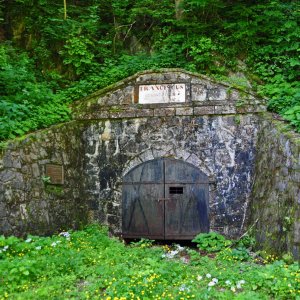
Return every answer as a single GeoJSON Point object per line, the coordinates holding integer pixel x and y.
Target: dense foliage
{"type": "Point", "coordinates": [51, 55]}
{"type": "Point", "coordinates": [88, 265]}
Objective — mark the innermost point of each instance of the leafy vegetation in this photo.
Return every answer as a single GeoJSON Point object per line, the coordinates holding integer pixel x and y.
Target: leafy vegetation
{"type": "Point", "coordinates": [211, 242]}
{"type": "Point", "coordinates": [26, 104]}
{"type": "Point", "coordinates": [51, 55]}
{"type": "Point", "coordinates": [88, 265]}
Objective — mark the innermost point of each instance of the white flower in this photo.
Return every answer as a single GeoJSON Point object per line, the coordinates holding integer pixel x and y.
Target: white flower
{"type": "Point", "coordinates": [233, 288]}
{"type": "Point", "coordinates": [179, 248]}
{"type": "Point", "coordinates": [5, 247]}
{"type": "Point", "coordinates": [53, 244]}
{"type": "Point", "coordinates": [38, 248]}
{"type": "Point", "coordinates": [239, 284]}
{"type": "Point", "coordinates": [199, 277]}
{"type": "Point", "coordinates": [57, 242]}
{"type": "Point", "coordinates": [228, 282]}
{"type": "Point", "coordinates": [170, 254]}
{"type": "Point", "coordinates": [28, 240]}
{"type": "Point", "coordinates": [215, 280]}
{"type": "Point", "coordinates": [184, 260]}
{"type": "Point", "coordinates": [65, 234]}
{"type": "Point", "coordinates": [183, 287]}
{"type": "Point", "coordinates": [212, 283]}
{"type": "Point", "coordinates": [208, 275]}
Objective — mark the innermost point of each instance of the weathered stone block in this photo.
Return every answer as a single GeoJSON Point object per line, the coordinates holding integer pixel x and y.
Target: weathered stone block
{"type": "Point", "coordinates": [297, 232]}
{"type": "Point", "coordinates": [103, 114]}
{"type": "Point", "coordinates": [199, 92]}
{"type": "Point", "coordinates": [7, 161]}
{"type": "Point", "coordinates": [184, 111]}
{"type": "Point", "coordinates": [216, 93]}
{"type": "Point", "coordinates": [233, 95]}
{"type": "Point", "coordinates": [204, 110]}
{"type": "Point", "coordinates": [162, 112]}
{"type": "Point", "coordinates": [7, 175]}
{"type": "Point", "coordinates": [127, 95]}
{"type": "Point", "coordinates": [295, 176]}
{"type": "Point", "coordinates": [3, 211]}
{"type": "Point", "coordinates": [181, 77]}
{"type": "Point", "coordinates": [225, 109]}
{"type": "Point", "coordinates": [144, 113]}
{"type": "Point", "coordinates": [122, 113]}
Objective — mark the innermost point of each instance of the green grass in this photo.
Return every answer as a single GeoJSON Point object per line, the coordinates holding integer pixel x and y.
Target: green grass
{"type": "Point", "coordinates": [90, 265]}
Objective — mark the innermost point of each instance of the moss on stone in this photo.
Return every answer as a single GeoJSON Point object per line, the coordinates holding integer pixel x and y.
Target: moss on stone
{"type": "Point", "coordinates": [54, 189]}
{"type": "Point", "coordinates": [115, 109]}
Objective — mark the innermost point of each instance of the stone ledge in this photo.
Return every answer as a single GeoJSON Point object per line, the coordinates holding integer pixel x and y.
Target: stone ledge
{"type": "Point", "coordinates": [204, 110]}
{"type": "Point", "coordinates": [225, 110]}
{"type": "Point", "coordinates": [163, 112]}
{"type": "Point", "coordinates": [130, 113]}
{"type": "Point", "coordinates": [184, 111]}
{"type": "Point", "coordinates": [144, 113]}
{"type": "Point", "coordinates": [135, 111]}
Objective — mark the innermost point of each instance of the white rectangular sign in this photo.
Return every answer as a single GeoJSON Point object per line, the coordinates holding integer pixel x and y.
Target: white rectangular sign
{"type": "Point", "coordinates": [162, 93]}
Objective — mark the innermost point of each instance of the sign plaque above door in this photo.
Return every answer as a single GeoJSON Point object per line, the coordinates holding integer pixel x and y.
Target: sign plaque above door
{"type": "Point", "coordinates": [160, 93]}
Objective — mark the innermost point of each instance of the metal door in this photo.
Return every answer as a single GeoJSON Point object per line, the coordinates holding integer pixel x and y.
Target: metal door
{"type": "Point", "coordinates": [164, 199]}
{"type": "Point", "coordinates": [186, 192]}
{"type": "Point", "coordinates": [143, 213]}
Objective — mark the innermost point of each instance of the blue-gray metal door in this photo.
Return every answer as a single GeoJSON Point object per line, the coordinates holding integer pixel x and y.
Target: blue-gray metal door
{"type": "Point", "coordinates": [164, 199]}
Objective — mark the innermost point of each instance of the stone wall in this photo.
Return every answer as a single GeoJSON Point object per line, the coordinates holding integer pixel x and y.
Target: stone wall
{"type": "Point", "coordinates": [215, 129]}
{"type": "Point", "coordinates": [27, 202]}
{"type": "Point", "coordinates": [222, 147]}
{"type": "Point", "coordinates": [275, 207]}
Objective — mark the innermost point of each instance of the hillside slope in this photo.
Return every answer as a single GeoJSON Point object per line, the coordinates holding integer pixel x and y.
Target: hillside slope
{"type": "Point", "coordinates": [51, 55]}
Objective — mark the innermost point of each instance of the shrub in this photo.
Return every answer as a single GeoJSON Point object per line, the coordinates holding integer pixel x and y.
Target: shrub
{"type": "Point", "coordinates": [211, 242]}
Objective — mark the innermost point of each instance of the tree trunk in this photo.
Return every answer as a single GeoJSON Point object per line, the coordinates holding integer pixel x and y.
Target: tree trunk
{"type": "Point", "coordinates": [65, 9]}
{"type": "Point", "coordinates": [178, 9]}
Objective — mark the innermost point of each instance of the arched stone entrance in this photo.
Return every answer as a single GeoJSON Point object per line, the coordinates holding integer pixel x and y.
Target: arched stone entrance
{"type": "Point", "coordinates": [165, 199]}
